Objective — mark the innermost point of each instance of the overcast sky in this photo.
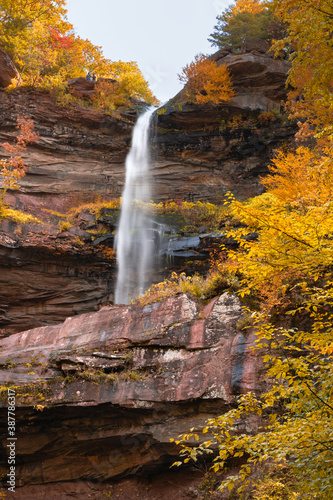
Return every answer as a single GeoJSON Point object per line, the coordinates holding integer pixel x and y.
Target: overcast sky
{"type": "Point", "coordinates": [160, 35]}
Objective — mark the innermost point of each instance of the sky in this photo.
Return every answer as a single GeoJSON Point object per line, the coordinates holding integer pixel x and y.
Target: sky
{"type": "Point", "coordinates": [162, 36]}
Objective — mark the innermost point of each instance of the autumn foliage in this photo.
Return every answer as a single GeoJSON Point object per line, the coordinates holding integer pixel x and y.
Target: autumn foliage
{"type": "Point", "coordinates": [205, 81]}
{"type": "Point", "coordinates": [309, 43]}
{"type": "Point", "coordinates": [246, 20]}
{"type": "Point", "coordinates": [291, 257]}
{"type": "Point", "coordinates": [13, 169]}
{"type": "Point", "coordinates": [47, 52]}
{"type": "Point", "coordinates": [285, 281]}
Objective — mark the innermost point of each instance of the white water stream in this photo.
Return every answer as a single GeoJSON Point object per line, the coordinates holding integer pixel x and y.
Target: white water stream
{"type": "Point", "coordinates": [134, 241]}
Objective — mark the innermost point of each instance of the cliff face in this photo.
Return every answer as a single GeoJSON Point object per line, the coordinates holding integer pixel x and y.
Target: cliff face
{"type": "Point", "coordinates": [208, 149]}
{"type": "Point", "coordinates": [117, 385]}
{"type": "Point", "coordinates": [80, 151]}
{"type": "Point", "coordinates": [46, 276]}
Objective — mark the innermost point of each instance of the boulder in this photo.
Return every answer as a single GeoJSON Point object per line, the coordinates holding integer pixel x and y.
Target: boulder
{"type": "Point", "coordinates": [81, 87]}
{"type": "Point", "coordinates": [7, 70]}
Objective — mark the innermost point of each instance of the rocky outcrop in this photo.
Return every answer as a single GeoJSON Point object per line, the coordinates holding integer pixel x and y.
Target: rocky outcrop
{"type": "Point", "coordinates": [47, 275]}
{"type": "Point", "coordinates": [259, 80]}
{"type": "Point", "coordinates": [122, 382]}
{"type": "Point", "coordinates": [7, 70]}
{"type": "Point", "coordinates": [80, 152]}
{"type": "Point", "coordinates": [211, 149]}
{"type": "Point", "coordinates": [99, 396]}
{"type": "Point", "coordinates": [81, 87]}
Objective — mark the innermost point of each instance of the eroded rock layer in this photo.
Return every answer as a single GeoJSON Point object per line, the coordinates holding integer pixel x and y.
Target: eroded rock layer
{"type": "Point", "coordinates": [122, 382]}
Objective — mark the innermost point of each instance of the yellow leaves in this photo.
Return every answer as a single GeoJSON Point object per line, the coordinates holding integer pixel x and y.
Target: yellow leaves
{"type": "Point", "coordinates": [252, 6]}
{"type": "Point", "coordinates": [309, 38]}
{"type": "Point", "coordinates": [205, 81]}
{"type": "Point", "coordinates": [293, 222]}
{"type": "Point", "coordinates": [17, 216]}
{"type": "Point", "coordinates": [177, 464]}
{"type": "Point", "coordinates": [303, 178]}
{"type": "Point", "coordinates": [292, 252]}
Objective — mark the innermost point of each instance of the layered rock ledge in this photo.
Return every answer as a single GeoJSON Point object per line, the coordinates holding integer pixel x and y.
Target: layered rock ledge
{"type": "Point", "coordinates": [122, 382]}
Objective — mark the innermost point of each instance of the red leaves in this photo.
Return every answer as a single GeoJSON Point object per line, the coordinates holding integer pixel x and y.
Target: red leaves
{"type": "Point", "coordinates": [59, 41]}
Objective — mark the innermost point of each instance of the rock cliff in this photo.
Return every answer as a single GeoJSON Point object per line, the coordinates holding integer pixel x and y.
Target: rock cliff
{"type": "Point", "coordinates": [99, 396]}
{"type": "Point", "coordinates": [8, 72]}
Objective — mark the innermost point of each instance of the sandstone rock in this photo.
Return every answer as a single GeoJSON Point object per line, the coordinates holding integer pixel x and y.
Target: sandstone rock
{"type": "Point", "coordinates": [80, 153]}
{"type": "Point", "coordinates": [122, 381]}
{"type": "Point", "coordinates": [255, 46]}
{"type": "Point", "coordinates": [46, 276]}
{"type": "Point", "coordinates": [258, 79]}
{"type": "Point", "coordinates": [81, 87]}
{"type": "Point", "coordinates": [258, 73]}
{"type": "Point", "coordinates": [7, 70]}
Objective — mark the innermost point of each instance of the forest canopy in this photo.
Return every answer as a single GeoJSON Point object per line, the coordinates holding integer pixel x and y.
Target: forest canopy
{"type": "Point", "coordinates": [246, 20]}
{"type": "Point", "coordinates": [47, 52]}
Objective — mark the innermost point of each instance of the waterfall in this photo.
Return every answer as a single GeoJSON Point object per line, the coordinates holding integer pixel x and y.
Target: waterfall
{"type": "Point", "coordinates": [135, 242]}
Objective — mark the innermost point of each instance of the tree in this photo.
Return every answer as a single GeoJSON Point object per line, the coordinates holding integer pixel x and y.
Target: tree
{"type": "Point", "coordinates": [47, 52]}
{"type": "Point", "coordinates": [287, 272]}
{"type": "Point", "coordinates": [131, 81]}
{"type": "Point", "coordinates": [246, 19]}
{"type": "Point", "coordinates": [205, 81]}
{"type": "Point", "coordinates": [310, 44]}
{"type": "Point", "coordinates": [13, 169]}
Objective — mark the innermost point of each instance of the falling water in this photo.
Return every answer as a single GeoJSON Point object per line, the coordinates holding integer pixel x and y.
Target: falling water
{"type": "Point", "coordinates": [134, 240]}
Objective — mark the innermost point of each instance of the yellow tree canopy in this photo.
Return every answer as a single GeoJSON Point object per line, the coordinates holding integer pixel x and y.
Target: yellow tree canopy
{"type": "Point", "coordinates": [310, 42]}
{"type": "Point", "coordinates": [46, 50]}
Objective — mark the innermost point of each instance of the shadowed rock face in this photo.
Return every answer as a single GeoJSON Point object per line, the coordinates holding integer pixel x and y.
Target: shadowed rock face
{"type": "Point", "coordinates": [7, 70]}
{"type": "Point", "coordinates": [258, 79]}
{"type": "Point", "coordinates": [46, 276]}
{"type": "Point", "coordinates": [122, 382]}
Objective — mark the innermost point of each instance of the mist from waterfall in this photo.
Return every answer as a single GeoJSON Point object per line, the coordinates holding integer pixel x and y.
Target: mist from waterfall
{"type": "Point", "coordinates": [134, 242]}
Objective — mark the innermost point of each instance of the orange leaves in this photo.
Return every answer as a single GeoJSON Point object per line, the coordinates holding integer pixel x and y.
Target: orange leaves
{"type": "Point", "coordinates": [303, 178]}
{"type": "Point", "coordinates": [309, 38]}
{"type": "Point", "coordinates": [60, 41]}
{"type": "Point", "coordinates": [13, 169]}
{"type": "Point", "coordinates": [205, 81]}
